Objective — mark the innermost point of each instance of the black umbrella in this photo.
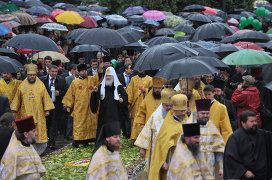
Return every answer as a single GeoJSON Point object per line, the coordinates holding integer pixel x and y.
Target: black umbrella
{"type": "Point", "coordinates": [39, 10]}
{"type": "Point", "coordinates": [235, 16]}
{"type": "Point", "coordinates": [247, 14]}
{"type": "Point", "coordinates": [236, 11]}
{"type": "Point", "coordinates": [224, 50]}
{"type": "Point", "coordinates": [185, 68]}
{"type": "Point", "coordinates": [164, 31]}
{"type": "Point", "coordinates": [199, 18]}
{"type": "Point", "coordinates": [7, 65]}
{"type": "Point", "coordinates": [188, 29]}
{"type": "Point", "coordinates": [87, 48]}
{"type": "Point", "coordinates": [230, 39]}
{"type": "Point", "coordinates": [2, 3]}
{"type": "Point", "coordinates": [136, 45]}
{"type": "Point", "coordinates": [160, 40]}
{"type": "Point", "coordinates": [182, 38]}
{"type": "Point", "coordinates": [212, 61]}
{"type": "Point", "coordinates": [212, 32]}
{"type": "Point", "coordinates": [9, 53]}
{"type": "Point", "coordinates": [130, 34]}
{"type": "Point", "coordinates": [136, 18]}
{"type": "Point", "coordinates": [267, 45]}
{"type": "Point", "coordinates": [34, 42]}
{"type": "Point", "coordinates": [158, 56]}
{"type": "Point", "coordinates": [76, 33]}
{"type": "Point", "coordinates": [99, 8]}
{"type": "Point", "coordinates": [191, 44]}
{"type": "Point", "coordinates": [205, 52]}
{"type": "Point", "coordinates": [14, 61]}
{"type": "Point", "coordinates": [20, 4]}
{"type": "Point", "coordinates": [194, 8]}
{"type": "Point", "coordinates": [39, 3]}
{"type": "Point", "coordinates": [254, 36]}
{"type": "Point", "coordinates": [104, 37]}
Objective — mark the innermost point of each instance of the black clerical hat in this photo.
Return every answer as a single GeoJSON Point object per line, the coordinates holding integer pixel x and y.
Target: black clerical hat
{"type": "Point", "coordinates": [81, 67]}
{"type": "Point", "coordinates": [107, 59]}
{"type": "Point", "coordinates": [191, 129]}
{"type": "Point", "coordinates": [219, 84]}
{"type": "Point", "coordinates": [111, 129]}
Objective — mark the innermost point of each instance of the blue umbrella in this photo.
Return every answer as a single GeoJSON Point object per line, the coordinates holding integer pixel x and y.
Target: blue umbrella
{"type": "Point", "coordinates": [207, 44]}
{"type": "Point", "coordinates": [134, 10]}
{"type": "Point", "coordinates": [151, 22]}
{"type": "Point", "coordinates": [4, 30]}
{"type": "Point", "coordinates": [39, 10]}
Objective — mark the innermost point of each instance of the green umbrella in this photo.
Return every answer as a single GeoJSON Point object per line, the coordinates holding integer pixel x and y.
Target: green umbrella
{"type": "Point", "coordinates": [8, 8]}
{"type": "Point", "coordinates": [247, 57]}
{"type": "Point", "coordinates": [173, 20]}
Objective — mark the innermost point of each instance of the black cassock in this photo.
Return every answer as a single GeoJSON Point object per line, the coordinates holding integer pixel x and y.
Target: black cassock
{"type": "Point", "coordinates": [110, 109]}
{"type": "Point", "coordinates": [248, 152]}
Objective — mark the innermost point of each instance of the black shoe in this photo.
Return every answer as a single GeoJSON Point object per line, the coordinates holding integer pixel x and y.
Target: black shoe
{"type": "Point", "coordinates": [75, 145]}
{"type": "Point", "coordinates": [69, 138]}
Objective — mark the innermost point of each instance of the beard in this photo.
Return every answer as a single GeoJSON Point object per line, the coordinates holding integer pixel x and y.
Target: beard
{"type": "Point", "coordinates": [202, 121]}
{"type": "Point", "coordinates": [197, 84]}
{"type": "Point", "coordinates": [252, 130]}
{"type": "Point", "coordinates": [112, 147]}
{"type": "Point", "coordinates": [31, 81]}
{"type": "Point", "coordinates": [157, 95]}
{"type": "Point", "coordinates": [109, 82]}
{"type": "Point", "coordinates": [194, 148]}
{"type": "Point", "coordinates": [164, 113]}
{"type": "Point", "coordinates": [31, 140]}
{"type": "Point", "coordinates": [217, 97]}
{"type": "Point", "coordinates": [141, 75]}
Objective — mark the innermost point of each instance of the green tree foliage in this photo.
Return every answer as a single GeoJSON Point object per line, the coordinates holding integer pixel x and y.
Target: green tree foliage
{"type": "Point", "coordinates": [118, 6]}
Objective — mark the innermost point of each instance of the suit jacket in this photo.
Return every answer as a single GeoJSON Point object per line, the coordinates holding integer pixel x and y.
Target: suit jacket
{"type": "Point", "coordinates": [4, 105]}
{"type": "Point", "coordinates": [90, 72]}
{"type": "Point", "coordinates": [122, 79]}
{"type": "Point", "coordinates": [60, 85]}
{"type": "Point", "coordinates": [69, 80]}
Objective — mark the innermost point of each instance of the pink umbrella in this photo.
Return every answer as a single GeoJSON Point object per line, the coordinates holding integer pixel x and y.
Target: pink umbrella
{"type": "Point", "coordinates": [55, 13]}
{"type": "Point", "coordinates": [242, 31]}
{"type": "Point", "coordinates": [209, 10]}
{"type": "Point", "coordinates": [89, 22]}
{"type": "Point", "coordinates": [233, 21]}
{"type": "Point", "coordinates": [235, 28]}
{"type": "Point", "coordinates": [154, 15]}
{"type": "Point", "coordinates": [43, 20]}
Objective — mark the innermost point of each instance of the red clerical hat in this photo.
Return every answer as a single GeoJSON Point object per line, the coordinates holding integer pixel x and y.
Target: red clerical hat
{"type": "Point", "coordinates": [256, 72]}
{"type": "Point", "coordinates": [203, 104]}
{"type": "Point", "coordinates": [25, 124]}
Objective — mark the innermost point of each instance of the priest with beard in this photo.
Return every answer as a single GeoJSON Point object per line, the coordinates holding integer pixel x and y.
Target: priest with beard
{"type": "Point", "coordinates": [188, 161]}
{"type": "Point", "coordinates": [112, 101]}
{"type": "Point", "coordinates": [248, 151]}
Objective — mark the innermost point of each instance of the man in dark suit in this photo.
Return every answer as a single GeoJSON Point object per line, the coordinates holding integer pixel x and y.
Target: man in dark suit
{"type": "Point", "coordinates": [56, 88]}
{"type": "Point", "coordinates": [4, 105]}
{"type": "Point", "coordinates": [48, 62]}
{"type": "Point", "coordinates": [93, 69]}
{"type": "Point", "coordinates": [125, 77]}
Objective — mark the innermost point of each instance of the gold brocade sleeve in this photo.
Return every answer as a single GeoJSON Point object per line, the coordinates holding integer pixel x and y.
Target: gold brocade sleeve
{"type": "Point", "coordinates": [16, 102]}
{"type": "Point", "coordinates": [69, 97]}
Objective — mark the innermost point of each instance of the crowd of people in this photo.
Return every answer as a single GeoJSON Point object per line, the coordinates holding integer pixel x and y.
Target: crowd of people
{"type": "Point", "coordinates": [214, 126]}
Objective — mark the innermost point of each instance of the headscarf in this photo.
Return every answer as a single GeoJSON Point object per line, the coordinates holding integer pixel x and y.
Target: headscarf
{"type": "Point", "coordinates": [116, 83]}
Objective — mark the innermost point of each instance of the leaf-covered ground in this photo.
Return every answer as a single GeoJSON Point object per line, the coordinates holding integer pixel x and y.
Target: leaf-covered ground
{"type": "Point", "coordinates": [56, 168]}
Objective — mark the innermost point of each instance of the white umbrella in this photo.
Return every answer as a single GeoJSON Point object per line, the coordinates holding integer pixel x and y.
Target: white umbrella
{"type": "Point", "coordinates": [54, 55]}
{"type": "Point", "coordinates": [54, 26]}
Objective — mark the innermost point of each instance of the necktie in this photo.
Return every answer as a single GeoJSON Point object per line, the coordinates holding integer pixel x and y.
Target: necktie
{"type": "Point", "coordinates": [52, 82]}
{"type": "Point", "coordinates": [127, 80]}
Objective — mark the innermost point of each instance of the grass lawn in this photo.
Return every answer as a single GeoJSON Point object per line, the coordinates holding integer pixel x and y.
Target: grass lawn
{"type": "Point", "coordinates": [56, 168]}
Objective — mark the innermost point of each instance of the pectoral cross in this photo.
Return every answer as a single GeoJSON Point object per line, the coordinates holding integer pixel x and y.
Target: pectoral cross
{"type": "Point", "coordinates": [31, 96]}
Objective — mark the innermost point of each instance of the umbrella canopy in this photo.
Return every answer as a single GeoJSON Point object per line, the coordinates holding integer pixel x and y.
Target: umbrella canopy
{"type": "Point", "coordinates": [134, 10]}
{"type": "Point", "coordinates": [99, 8]}
{"type": "Point", "coordinates": [267, 45]}
{"type": "Point", "coordinates": [38, 3]}
{"type": "Point", "coordinates": [205, 52]}
{"type": "Point", "coordinates": [39, 10]}
{"type": "Point", "coordinates": [172, 21]}
{"type": "Point", "coordinates": [87, 48]}
{"type": "Point", "coordinates": [225, 49]}
{"type": "Point", "coordinates": [131, 35]}
{"type": "Point", "coordinates": [76, 33]}
{"type": "Point", "coordinates": [4, 30]}
{"type": "Point", "coordinates": [209, 10]}
{"type": "Point", "coordinates": [54, 55]}
{"type": "Point", "coordinates": [182, 38]}
{"type": "Point", "coordinates": [194, 8]}
{"type": "Point", "coordinates": [11, 24]}
{"type": "Point", "coordinates": [136, 18]}
{"type": "Point", "coordinates": [269, 86]}
{"type": "Point", "coordinates": [116, 20]}
{"type": "Point", "coordinates": [248, 45]}
{"type": "Point", "coordinates": [242, 31]}
{"type": "Point", "coordinates": [164, 31]}
{"type": "Point", "coordinates": [248, 57]}
{"type": "Point", "coordinates": [89, 22]}
{"type": "Point", "coordinates": [154, 15]}
{"type": "Point", "coordinates": [233, 21]}
{"type": "Point", "coordinates": [8, 66]}
{"type": "Point", "coordinates": [158, 56]}
{"type": "Point", "coordinates": [211, 32]}
{"type": "Point", "coordinates": [64, 6]}
{"type": "Point", "coordinates": [199, 18]}
{"type": "Point", "coordinates": [25, 19]}
{"type": "Point", "coordinates": [212, 61]}
{"type": "Point", "coordinates": [54, 26]}
{"type": "Point", "coordinates": [136, 45]}
{"type": "Point", "coordinates": [188, 29]}
{"type": "Point", "coordinates": [185, 68]}
{"type": "Point", "coordinates": [247, 14]}
{"type": "Point", "coordinates": [8, 17]}
{"type": "Point", "coordinates": [69, 17]}
{"type": "Point", "coordinates": [34, 42]}
{"type": "Point", "coordinates": [160, 40]}
{"type": "Point", "coordinates": [26, 51]}
{"type": "Point", "coordinates": [8, 8]}
{"type": "Point", "coordinates": [9, 53]}
{"type": "Point", "coordinates": [254, 36]}
{"type": "Point", "coordinates": [104, 37]}
{"type": "Point", "coordinates": [57, 12]}
{"type": "Point", "coordinates": [192, 44]}
{"type": "Point", "coordinates": [43, 20]}
{"type": "Point", "coordinates": [151, 22]}
{"type": "Point", "coordinates": [214, 18]}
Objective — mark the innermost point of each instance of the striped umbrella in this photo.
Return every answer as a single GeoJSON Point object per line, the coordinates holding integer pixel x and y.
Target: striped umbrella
{"type": "Point", "coordinates": [11, 24]}
{"type": "Point", "coordinates": [8, 17]}
{"type": "Point", "coordinates": [25, 19]}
